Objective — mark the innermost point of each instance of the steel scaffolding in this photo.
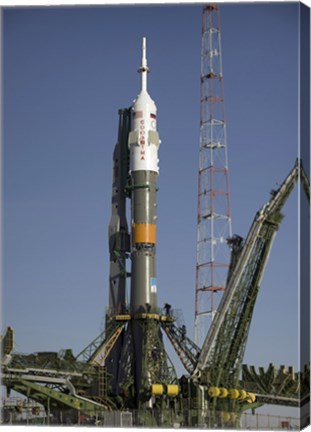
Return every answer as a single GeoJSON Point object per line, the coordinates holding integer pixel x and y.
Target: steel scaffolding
{"type": "Point", "coordinates": [214, 221]}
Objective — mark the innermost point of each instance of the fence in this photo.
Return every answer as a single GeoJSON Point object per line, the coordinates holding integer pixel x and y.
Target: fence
{"type": "Point", "coordinates": [20, 411]}
{"type": "Point", "coordinates": [272, 422]}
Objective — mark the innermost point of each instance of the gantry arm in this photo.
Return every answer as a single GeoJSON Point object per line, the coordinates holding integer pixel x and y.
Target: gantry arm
{"type": "Point", "coordinates": [186, 350]}
{"type": "Point", "coordinates": [224, 346]}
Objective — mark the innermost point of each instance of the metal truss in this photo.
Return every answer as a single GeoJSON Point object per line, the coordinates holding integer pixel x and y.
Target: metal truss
{"type": "Point", "coordinates": [186, 350]}
{"type": "Point", "coordinates": [278, 387]}
{"type": "Point", "coordinates": [223, 349]}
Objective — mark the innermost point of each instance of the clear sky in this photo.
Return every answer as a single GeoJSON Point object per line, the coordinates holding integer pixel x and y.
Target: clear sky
{"type": "Point", "coordinates": [66, 72]}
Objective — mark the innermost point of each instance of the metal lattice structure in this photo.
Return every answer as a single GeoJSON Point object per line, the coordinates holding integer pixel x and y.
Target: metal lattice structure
{"type": "Point", "coordinates": [223, 349]}
{"type": "Point", "coordinates": [214, 221]}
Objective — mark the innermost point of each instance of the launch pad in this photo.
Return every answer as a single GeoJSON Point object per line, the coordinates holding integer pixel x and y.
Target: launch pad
{"type": "Point", "coordinates": [124, 376]}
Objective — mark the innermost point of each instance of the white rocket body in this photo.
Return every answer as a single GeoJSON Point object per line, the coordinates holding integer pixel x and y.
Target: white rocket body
{"type": "Point", "coordinates": [145, 143]}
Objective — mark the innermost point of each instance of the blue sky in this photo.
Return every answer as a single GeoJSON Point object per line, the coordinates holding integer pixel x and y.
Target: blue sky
{"type": "Point", "coordinates": [66, 72]}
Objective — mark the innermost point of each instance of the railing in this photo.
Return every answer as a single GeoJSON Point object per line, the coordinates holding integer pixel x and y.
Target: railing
{"type": "Point", "coordinates": [19, 411]}
{"type": "Point", "coordinates": [272, 422]}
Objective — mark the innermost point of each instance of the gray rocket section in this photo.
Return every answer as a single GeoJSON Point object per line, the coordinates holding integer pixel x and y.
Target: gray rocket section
{"type": "Point", "coordinates": [119, 239]}
{"type": "Point", "coordinates": [119, 242]}
{"type": "Point", "coordinates": [143, 286]}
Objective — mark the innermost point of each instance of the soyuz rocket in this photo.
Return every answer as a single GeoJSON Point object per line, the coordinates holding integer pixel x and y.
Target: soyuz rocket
{"type": "Point", "coordinates": [144, 168]}
{"type": "Point", "coordinates": [138, 357]}
{"type": "Point", "coordinates": [143, 143]}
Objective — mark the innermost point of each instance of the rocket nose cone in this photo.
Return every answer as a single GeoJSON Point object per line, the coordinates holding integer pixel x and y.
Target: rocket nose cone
{"type": "Point", "coordinates": [144, 101]}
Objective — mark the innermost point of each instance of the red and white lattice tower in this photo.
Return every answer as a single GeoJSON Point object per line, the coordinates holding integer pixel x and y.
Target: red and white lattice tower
{"type": "Point", "coordinates": [214, 221]}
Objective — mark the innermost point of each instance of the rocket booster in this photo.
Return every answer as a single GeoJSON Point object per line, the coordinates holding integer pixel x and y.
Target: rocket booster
{"type": "Point", "coordinates": [143, 148]}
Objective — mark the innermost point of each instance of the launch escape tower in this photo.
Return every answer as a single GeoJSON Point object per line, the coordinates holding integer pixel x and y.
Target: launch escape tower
{"type": "Point", "coordinates": [213, 221]}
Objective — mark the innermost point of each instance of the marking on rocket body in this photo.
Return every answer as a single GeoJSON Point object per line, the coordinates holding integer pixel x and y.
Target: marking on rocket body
{"type": "Point", "coordinates": [142, 139]}
{"type": "Point", "coordinates": [153, 285]}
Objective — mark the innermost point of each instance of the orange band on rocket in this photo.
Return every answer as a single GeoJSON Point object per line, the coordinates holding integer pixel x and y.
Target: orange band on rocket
{"type": "Point", "coordinates": [144, 233]}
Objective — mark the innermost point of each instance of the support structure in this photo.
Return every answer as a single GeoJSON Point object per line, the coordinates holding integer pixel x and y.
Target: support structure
{"type": "Point", "coordinates": [223, 349]}
{"type": "Point", "coordinates": [214, 221]}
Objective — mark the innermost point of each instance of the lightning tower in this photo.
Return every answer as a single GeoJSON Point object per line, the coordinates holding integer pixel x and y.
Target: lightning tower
{"type": "Point", "coordinates": [214, 220]}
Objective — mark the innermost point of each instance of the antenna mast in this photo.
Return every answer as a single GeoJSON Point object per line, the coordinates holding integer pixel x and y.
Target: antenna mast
{"type": "Point", "coordinates": [214, 219]}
